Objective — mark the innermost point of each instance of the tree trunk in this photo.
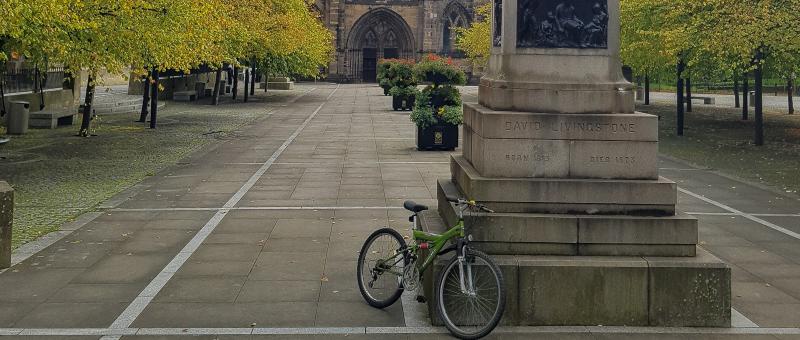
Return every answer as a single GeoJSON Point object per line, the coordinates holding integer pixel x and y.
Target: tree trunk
{"type": "Point", "coordinates": [736, 91]}
{"type": "Point", "coordinates": [266, 80]}
{"type": "Point", "coordinates": [759, 110]}
{"type": "Point", "coordinates": [2, 91]}
{"type": "Point", "coordinates": [154, 100]}
{"type": "Point", "coordinates": [235, 82]}
{"type": "Point", "coordinates": [688, 94]}
{"type": "Point", "coordinates": [246, 84]}
{"type": "Point", "coordinates": [745, 96]}
{"type": "Point", "coordinates": [217, 87]}
{"type": "Point", "coordinates": [646, 89]}
{"type": "Point", "coordinates": [42, 83]}
{"type": "Point", "coordinates": [86, 122]}
{"type": "Point", "coordinates": [790, 90]}
{"type": "Point", "coordinates": [253, 82]}
{"type": "Point", "coordinates": [145, 99]}
{"type": "Point", "coordinates": [681, 100]}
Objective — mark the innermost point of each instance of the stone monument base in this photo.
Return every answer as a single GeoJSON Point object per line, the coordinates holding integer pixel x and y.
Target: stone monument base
{"type": "Point", "coordinates": [573, 234]}
{"type": "Point", "coordinates": [546, 290]}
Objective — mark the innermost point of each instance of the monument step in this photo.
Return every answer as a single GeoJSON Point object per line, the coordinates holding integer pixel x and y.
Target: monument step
{"type": "Point", "coordinates": [566, 195]}
{"type": "Point", "coordinates": [566, 234]}
{"type": "Point", "coordinates": [606, 290]}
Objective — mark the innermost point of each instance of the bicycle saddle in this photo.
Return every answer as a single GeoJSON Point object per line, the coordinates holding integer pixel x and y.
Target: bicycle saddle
{"type": "Point", "coordinates": [414, 207]}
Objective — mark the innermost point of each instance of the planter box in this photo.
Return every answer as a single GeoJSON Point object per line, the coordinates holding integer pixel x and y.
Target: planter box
{"type": "Point", "coordinates": [437, 137]}
{"type": "Point", "coordinates": [403, 103]}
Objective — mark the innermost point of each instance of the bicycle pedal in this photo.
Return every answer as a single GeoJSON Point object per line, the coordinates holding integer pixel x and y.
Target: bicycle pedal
{"type": "Point", "coordinates": [421, 299]}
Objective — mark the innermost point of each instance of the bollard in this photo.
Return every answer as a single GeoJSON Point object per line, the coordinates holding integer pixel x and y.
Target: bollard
{"type": "Point", "coordinates": [18, 118]}
{"type": "Point", "coordinates": [6, 219]}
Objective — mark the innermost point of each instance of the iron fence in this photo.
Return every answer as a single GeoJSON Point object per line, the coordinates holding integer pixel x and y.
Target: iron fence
{"type": "Point", "coordinates": [25, 79]}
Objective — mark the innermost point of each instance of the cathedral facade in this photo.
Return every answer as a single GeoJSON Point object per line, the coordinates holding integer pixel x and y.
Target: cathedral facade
{"type": "Point", "coordinates": [369, 30]}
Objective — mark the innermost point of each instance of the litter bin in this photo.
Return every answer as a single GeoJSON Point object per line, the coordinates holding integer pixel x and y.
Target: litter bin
{"type": "Point", "coordinates": [18, 118]}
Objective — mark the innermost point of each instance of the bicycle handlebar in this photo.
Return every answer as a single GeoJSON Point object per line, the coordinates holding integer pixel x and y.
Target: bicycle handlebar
{"type": "Point", "coordinates": [461, 201]}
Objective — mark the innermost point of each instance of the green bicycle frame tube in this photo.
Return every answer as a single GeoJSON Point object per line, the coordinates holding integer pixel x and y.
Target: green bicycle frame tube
{"type": "Point", "coordinates": [437, 242]}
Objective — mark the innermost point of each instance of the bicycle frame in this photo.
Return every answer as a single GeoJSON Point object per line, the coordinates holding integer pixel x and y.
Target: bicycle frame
{"type": "Point", "coordinates": [437, 242]}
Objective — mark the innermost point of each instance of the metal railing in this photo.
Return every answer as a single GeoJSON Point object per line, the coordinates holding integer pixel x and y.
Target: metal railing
{"type": "Point", "coordinates": [25, 79]}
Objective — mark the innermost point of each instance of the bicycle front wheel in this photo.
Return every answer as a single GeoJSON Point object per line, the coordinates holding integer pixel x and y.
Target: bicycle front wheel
{"type": "Point", "coordinates": [471, 310]}
{"type": "Point", "coordinates": [381, 263]}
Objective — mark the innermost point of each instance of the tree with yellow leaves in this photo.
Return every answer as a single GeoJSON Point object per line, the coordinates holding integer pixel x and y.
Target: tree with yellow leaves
{"type": "Point", "coordinates": [160, 35]}
{"type": "Point", "coordinates": [748, 35]}
{"type": "Point", "coordinates": [476, 40]}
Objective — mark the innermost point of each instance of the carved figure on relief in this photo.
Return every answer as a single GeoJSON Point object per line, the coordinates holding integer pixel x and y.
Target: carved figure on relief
{"type": "Point", "coordinates": [562, 24]}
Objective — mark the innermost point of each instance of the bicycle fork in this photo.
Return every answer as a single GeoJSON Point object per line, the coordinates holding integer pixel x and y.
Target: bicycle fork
{"type": "Point", "coordinates": [465, 270]}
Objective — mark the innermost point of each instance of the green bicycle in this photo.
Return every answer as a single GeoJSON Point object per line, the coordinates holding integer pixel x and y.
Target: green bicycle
{"type": "Point", "coordinates": [469, 290]}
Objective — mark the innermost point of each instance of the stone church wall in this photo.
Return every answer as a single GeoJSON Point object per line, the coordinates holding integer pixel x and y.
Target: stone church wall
{"type": "Point", "coordinates": [368, 30]}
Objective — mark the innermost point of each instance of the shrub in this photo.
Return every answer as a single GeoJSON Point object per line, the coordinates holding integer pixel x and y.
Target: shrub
{"type": "Point", "coordinates": [406, 91]}
{"type": "Point", "coordinates": [426, 114]}
{"type": "Point", "coordinates": [440, 101]}
{"type": "Point", "coordinates": [439, 71]}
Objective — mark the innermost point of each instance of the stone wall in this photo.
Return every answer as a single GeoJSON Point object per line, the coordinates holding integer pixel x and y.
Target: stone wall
{"type": "Point", "coordinates": [54, 99]}
{"type": "Point", "coordinates": [423, 18]}
{"type": "Point", "coordinates": [173, 84]}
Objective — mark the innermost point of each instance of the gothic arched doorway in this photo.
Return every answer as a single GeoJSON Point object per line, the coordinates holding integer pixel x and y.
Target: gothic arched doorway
{"type": "Point", "coordinates": [454, 16]}
{"type": "Point", "coordinates": [379, 34]}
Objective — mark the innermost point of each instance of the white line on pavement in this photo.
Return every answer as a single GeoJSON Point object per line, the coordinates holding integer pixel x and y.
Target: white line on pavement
{"type": "Point", "coordinates": [254, 208]}
{"type": "Point", "coordinates": [735, 214]}
{"type": "Point", "coordinates": [683, 169]}
{"type": "Point", "coordinates": [141, 302]}
{"type": "Point", "coordinates": [738, 320]}
{"type": "Point", "coordinates": [712, 214]}
{"type": "Point", "coordinates": [340, 163]}
{"type": "Point", "coordinates": [745, 215]}
{"type": "Point", "coordinates": [117, 333]}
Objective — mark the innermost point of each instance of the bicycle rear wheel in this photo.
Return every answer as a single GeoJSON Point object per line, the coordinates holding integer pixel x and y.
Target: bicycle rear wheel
{"type": "Point", "coordinates": [380, 268]}
{"type": "Point", "coordinates": [475, 313]}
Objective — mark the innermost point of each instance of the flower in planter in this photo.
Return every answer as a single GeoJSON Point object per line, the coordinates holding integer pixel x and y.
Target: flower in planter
{"type": "Point", "coordinates": [439, 71]}
{"type": "Point", "coordinates": [425, 115]}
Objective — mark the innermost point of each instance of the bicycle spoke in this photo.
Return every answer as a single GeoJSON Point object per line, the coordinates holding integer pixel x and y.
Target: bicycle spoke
{"type": "Point", "coordinates": [472, 311]}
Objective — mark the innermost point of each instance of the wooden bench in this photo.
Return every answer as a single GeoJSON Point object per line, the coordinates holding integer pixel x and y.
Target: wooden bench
{"type": "Point", "coordinates": [184, 96]}
{"type": "Point", "coordinates": [51, 119]}
{"type": "Point", "coordinates": [706, 100]}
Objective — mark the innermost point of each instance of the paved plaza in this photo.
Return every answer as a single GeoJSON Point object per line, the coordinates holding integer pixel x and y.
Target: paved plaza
{"type": "Point", "coordinates": [256, 236]}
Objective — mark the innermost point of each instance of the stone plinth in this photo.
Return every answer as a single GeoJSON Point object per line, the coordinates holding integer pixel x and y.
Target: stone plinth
{"type": "Point", "coordinates": [608, 290]}
{"type": "Point", "coordinates": [6, 219]}
{"type": "Point", "coordinates": [519, 144]}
